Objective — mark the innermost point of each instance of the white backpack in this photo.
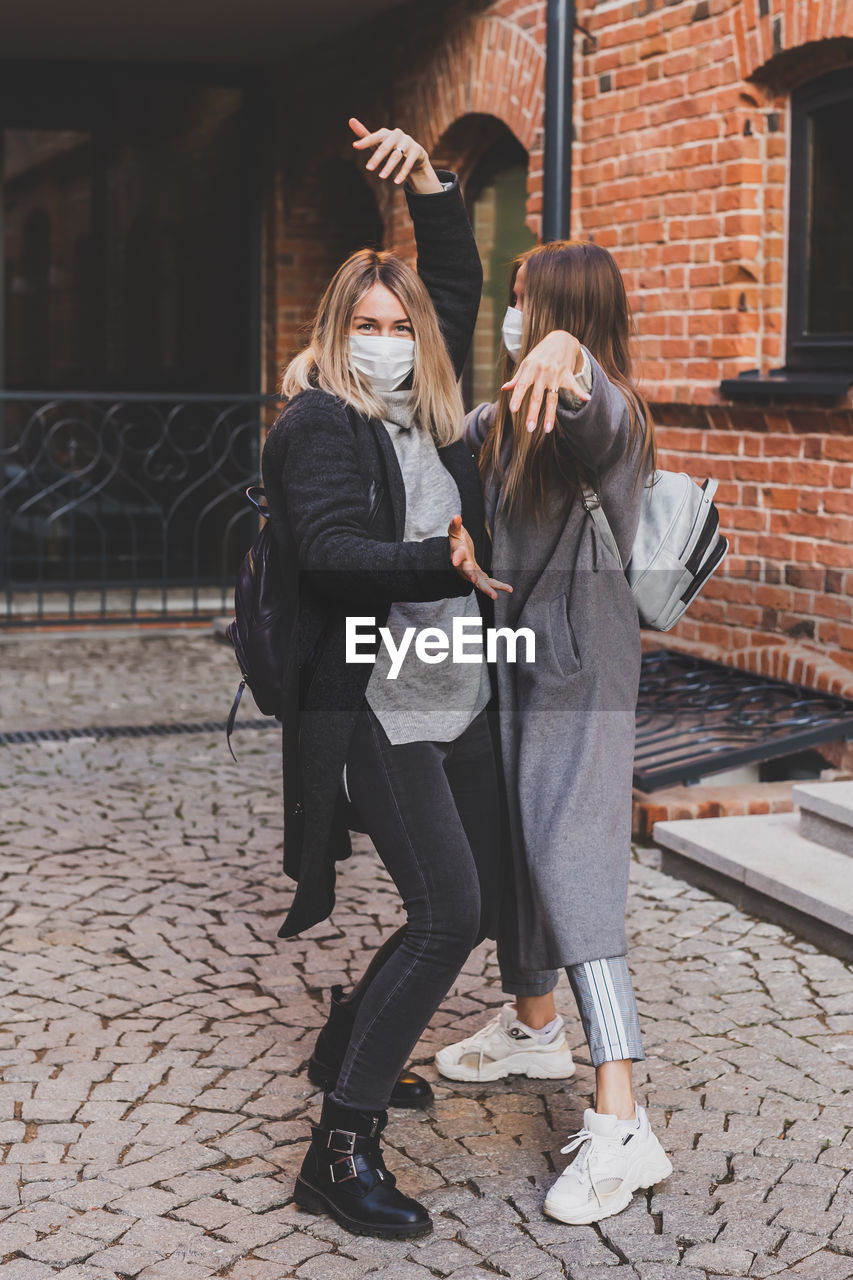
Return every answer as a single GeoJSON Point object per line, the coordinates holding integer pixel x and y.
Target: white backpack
{"type": "Point", "coordinates": [677, 547]}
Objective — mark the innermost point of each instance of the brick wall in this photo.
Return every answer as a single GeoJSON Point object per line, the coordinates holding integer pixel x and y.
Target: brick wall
{"type": "Point", "coordinates": [787, 508]}
{"type": "Point", "coordinates": [680, 168]}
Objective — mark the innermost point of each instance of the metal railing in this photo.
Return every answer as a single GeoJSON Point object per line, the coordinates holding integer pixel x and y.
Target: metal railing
{"type": "Point", "coordinates": [117, 508]}
{"type": "Point", "coordinates": [696, 718]}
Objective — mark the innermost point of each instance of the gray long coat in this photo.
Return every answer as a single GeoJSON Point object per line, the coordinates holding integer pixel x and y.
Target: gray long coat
{"type": "Point", "coordinates": [567, 718]}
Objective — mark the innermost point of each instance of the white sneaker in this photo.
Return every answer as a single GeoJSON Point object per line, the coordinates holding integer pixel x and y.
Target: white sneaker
{"type": "Point", "coordinates": [615, 1157]}
{"type": "Point", "coordinates": [505, 1047]}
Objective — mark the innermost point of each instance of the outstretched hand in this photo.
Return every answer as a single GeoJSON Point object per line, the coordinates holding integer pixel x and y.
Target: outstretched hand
{"type": "Point", "coordinates": [464, 561]}
{"type": "Point", "coordinates": [551, 365]}
{"type": "Point", "coordinates": [396, 150]}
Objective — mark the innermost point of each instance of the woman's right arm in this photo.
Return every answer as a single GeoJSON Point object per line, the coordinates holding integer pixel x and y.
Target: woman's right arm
{"type": "Point", "coordinates": [448, 259]}
{"type": "Point", "coordinates": [449, 264]}
{"type": "Point", "coordinates": [328, 512]}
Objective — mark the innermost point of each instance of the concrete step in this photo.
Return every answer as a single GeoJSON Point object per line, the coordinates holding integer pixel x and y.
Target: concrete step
{"type": "Point", "coordinates": [826, 814]}
{"type": "Point", "coordinates": [707, 800]}
{"type": "Point", "coordinates": [766, 866]}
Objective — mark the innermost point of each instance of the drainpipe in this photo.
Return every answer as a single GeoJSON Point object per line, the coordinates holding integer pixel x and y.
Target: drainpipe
{"type": "Point", "coordinates": [559, 91]}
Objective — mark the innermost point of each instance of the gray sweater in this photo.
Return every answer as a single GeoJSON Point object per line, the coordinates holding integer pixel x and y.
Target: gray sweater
{"type": "Point", "coordinates": [427, 702]}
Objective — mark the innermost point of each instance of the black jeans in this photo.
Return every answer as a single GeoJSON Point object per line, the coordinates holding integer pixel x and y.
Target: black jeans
{"type": "Point", "coordinates": [432, 811]}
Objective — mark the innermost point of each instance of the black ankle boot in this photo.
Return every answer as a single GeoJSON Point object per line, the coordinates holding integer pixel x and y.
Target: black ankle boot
{"type": "Point", "coordinates": [343, 1174]}
{"type": "Point", "coordinates": [411, 1090]}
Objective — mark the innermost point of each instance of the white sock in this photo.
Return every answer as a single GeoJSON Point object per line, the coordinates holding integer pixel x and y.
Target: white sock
{"type": "Point", "coordinates": [547, 1033]}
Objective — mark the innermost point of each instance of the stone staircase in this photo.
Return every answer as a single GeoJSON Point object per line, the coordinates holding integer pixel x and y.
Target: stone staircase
{"type": "Point", "coordinates": [795, 869]}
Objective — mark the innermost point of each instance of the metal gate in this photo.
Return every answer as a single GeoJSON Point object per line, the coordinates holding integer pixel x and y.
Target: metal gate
{"type": "Point", "coordinates": [121, 508]}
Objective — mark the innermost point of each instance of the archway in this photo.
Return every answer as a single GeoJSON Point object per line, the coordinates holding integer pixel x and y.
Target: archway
{"type": "Point", "coordinates": [497, 198]}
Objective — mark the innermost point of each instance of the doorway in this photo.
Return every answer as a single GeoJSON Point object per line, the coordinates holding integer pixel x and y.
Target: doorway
{"type": "Point", "coordinates": [496, 194]}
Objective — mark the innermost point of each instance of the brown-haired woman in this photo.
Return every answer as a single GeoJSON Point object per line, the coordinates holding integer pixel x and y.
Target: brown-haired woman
{"type": "Point", "coordinates": [569, 428]}
{"type": "Point", "coordinates": [368, 479]}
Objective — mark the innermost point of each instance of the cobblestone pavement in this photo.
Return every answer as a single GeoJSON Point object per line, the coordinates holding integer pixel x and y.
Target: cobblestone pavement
{"type": "Point", "coordinates": [154, 1103]}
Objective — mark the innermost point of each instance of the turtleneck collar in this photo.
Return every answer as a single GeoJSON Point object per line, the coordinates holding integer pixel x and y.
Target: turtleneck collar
{"type": "Point", "coordinates": [399, 409]}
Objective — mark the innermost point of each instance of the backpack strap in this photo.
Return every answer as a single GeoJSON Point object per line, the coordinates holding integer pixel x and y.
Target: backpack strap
{"type": "Point", "coordinates": [592, 503]}
{"type": "Point", "coordinates": [232, 716]}
{"type": "Point", "coordinates": [258, 498]}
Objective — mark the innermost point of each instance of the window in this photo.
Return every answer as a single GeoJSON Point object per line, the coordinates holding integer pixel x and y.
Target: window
{"type": "Point", "coordinates": [820, 274]}
{"type": "Point", "coordinates": [497, 196]}
{"type": "Point", "coordinates": [129, 221]}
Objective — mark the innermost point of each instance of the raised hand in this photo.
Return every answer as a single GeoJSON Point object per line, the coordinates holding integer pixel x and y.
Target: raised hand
{"type": "Point", "coordinates": [396, 150]}
{"type": "Point", "coordinates": [549, 367]}
{"type": "Point", "coordinates": [464, 561]}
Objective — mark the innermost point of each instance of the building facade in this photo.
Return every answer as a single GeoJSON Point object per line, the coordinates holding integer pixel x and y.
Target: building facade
{"type": "Point", "coordinates": [710, 158]}
{"type": "Point", "coordinates": [176, 194]}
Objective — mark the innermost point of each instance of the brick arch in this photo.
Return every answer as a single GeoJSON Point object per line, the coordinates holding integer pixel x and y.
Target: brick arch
{"type": "Point", "coordinates": [788, 25]}
{"type": "Point", "coordinates": [468, 140]}
{"type": "Point", "coordinates": [489, 68]}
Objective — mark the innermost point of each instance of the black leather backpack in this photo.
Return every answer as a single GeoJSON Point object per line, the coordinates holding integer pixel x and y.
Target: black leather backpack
{"type": "Point", "coordinates": [257, 632]}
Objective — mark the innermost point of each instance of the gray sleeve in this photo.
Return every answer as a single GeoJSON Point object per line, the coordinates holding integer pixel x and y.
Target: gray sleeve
{"type": "Point", "coordinates": [595, 431]}
{"type": "Point", "coordinates": [584, 381]}
{"type": "Point", "coordinates": [478, 424]}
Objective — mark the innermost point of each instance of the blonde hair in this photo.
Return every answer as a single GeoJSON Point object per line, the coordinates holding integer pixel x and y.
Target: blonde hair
{"type": "Point", "coordinates": [578, 287]}
{"type": "Point", "coordinates": [325, 363]}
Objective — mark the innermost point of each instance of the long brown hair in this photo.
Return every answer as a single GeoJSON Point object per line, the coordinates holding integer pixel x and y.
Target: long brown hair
{"type": "Point", "coordinates": [325, 362]}
{"type": "Point", "coordinates": [576, 286]}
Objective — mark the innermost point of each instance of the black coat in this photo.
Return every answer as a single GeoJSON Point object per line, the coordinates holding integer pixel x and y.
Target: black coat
{"type": "Point", "coordinates": [337, 504]}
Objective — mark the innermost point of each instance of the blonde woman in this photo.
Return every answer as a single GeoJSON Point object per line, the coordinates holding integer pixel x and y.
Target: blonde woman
{"type": "Point", "coordinates": [368, 480]}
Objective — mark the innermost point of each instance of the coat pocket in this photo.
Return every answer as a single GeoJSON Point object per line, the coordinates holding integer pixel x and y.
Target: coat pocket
{"type": "Point", "coordinates": [563, 640]}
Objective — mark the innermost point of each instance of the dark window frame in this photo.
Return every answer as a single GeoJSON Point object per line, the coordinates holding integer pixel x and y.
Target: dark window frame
{"type": "Point", "coordinates": [804, 350]}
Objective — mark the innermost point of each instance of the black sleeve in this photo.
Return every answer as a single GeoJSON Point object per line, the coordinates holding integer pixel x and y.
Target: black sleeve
{"type": "Point", "coordinates": [448, 263]}
{"type": "Point", "coordinates": [328, 512]}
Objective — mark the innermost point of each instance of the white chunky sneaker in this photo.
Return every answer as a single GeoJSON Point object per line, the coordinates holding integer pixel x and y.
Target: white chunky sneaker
{"type": "Point", "coordinates": [615, 1158]}
{"type": "Point", "coordinates": [505, 1047]}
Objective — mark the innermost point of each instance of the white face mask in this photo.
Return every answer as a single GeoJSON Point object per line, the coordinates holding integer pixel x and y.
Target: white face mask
{"type": "Point", "coordinates": [511, 328]}
{"type": "Point", "coordinates": [385, 362]}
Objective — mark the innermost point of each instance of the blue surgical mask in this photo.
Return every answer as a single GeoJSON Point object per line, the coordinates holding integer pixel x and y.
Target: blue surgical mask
{"type": "Point", "coordinates": [384, 362]}
{"type": "Point", "coordinates": [513, 323]}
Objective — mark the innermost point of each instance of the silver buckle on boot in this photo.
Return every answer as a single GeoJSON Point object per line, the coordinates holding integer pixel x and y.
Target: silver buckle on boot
{"type": "Point", "coordinates": [342, 1133]}
{"type": "Point", "coordinates": [349, 1161]}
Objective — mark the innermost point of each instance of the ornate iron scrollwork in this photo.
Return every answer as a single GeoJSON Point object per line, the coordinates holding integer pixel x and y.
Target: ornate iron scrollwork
{"type": "Point", "coordinates": [696, 717]}
{"type": "Point", "coordinates": [115, 507]}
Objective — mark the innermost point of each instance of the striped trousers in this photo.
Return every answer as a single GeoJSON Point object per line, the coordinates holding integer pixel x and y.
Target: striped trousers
{"type": "Point", "coordinates": [606, 1004]}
